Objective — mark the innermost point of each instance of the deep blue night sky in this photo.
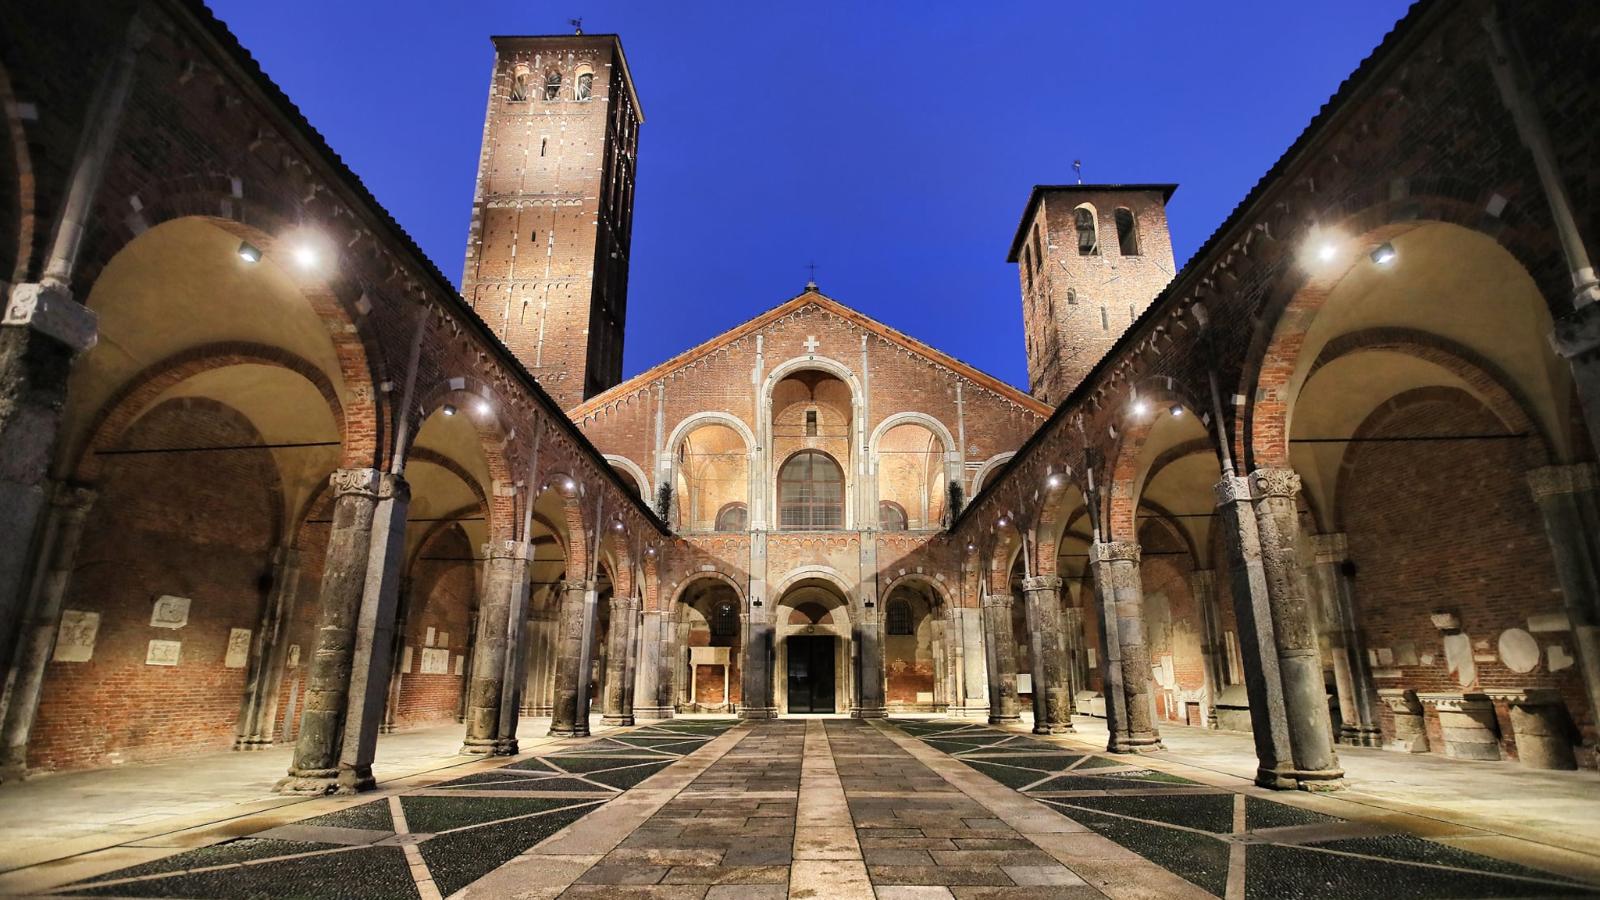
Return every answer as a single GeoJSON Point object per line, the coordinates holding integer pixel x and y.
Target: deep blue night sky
{"type": "Point", "coordinates": [892, 143]}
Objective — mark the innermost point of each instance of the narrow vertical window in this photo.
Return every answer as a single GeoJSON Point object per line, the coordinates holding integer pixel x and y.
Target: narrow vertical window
{"type": "Point", "coordinates": [1027, 267]}
{"type": "Point", "coordinates": [584, 89]}
{"type": "Point", "coordinates": [1088, 239]}
{"type": "Point", "coordinates": [1127, 232]}
{"type": "Point", "coordinates": [811, 423]}
{"type": "Point", "coordinates": [898, 619]}
{"type": "Point", "coordinates": [544, 145]}
{"type": "Point", "coordinates": [519, 85]}
{"type": "Point", "coordinates": [1105, 320]}
{"type": "Point", "coordinates": [552, 86]}
{"type": "Point", "coordinates": [1072, 297]}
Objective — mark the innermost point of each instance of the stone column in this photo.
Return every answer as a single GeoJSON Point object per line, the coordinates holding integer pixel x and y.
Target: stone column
{"type": "Point", "coordinates": [1002, 655]}
{"type": "Point", "coordinates": [1566, 496]}
{"type": "Point", "coordinates": [1352, 673]}
{"type": "Point", "coordinates": [614, 705]}
{"type": "Point", "coordinates": [345, 685]}
{"type": "Point", "coordinates": [540, 654]}
{"type": "Point", "coordinates": [1213, 650]}
{"type": "Point", "coordinates": [1252, 612]}
{"type": "Point", "coordinates": [63, 535]}
{"type": "Point", "coordinates": [755, 671]}
{"type": "Point", "coordinates": [258, 715]}
{"type": "Point", "coordinates": [569, 646]}
{"type": "Point", "coordinates": [1076, 652]}
{"type": "Point", "coordinates": [1052, 695]}
{"type": "Point", "coordinates": [871, 676]}
{"type": "Point", "coordinates": [973, 659]}
{"type": "Point", "coordinates": [630, 675]}
{"type": "Point", "coordinates": [397, 678]}
{"type": "Point", "coordinates": [1316, 765]}
{"type": "Point", "coordinates": [499, 624]}
{"type": "Point", "coordinates": [1129, 717]}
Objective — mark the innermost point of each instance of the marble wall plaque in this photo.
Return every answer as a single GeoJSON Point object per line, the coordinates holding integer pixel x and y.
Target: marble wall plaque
{"type": "Point", "coordinates": [435, 661]}
{"type": "Point", "coordinates": [1518, 650]}
{"type": "Point", "coordinates": [1024, 682]}
{"type": "Point", "coordinates": [294, 656]}
{"type": "Point", "coordinates": [461, 663]}
{"type": "Point", "coordinates": [708, 656]}
{"type": "Point", "coordinates": [428, 640]}
{"type": "Point", "coordinates": [238, 648]}
{"type": "Point", "coordinates": [170, 612]}
{"type": "Point", "coordinates": [1090, 652]}
{"type": "Point", "coordinates": [163, 653]}
{"type": "Point", "coordinates": [1559, 657]}
{"type": "Point", "coordinates": [1556, 621]}
{"type": "Point", "coordinates": [75, 638]}
{"type": "Point", "coordinates": [444, 638]}
{"type": "Point", "coordinates": [405, 658]}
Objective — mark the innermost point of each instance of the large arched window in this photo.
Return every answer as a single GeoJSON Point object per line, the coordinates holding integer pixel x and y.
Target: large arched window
{"type": "Point", "coordinates": [583, 88]}
{"type": "Point", "coordinates": [897, 619]}
{"type": "Point", "coordinates": [810, 492]}
{"type": "Point", "coordinates": [1088, 235]}
{"type": "Point", "coordinates": [891, 516]}
{"type": "Point", "coordinates": [552, 86]}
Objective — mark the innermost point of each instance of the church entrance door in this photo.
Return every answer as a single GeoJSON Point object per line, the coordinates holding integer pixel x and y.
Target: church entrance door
{"type": "Point", "coordinates": [811, 674]}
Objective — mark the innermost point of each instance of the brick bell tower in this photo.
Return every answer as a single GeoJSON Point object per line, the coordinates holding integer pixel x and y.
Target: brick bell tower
{"type": "Point", "coordinates": [552, 216]}
{"type": "Point", "coordinates": [1091, 258]}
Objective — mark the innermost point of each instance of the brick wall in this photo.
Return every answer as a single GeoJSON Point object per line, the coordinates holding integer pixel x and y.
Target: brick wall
{"type": "Point", "coordinates": [195, 525]}
{"type": "Point", "coordinates": [444, 585]}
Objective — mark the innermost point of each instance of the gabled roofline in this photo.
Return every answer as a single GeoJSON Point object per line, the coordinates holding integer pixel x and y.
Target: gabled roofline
{"type": "Point", "coordinates": [833, 306]}
{"type": "Point", "coordinates": [1039, 190]}
{"type": "Point", "coordinates": [616, 45]}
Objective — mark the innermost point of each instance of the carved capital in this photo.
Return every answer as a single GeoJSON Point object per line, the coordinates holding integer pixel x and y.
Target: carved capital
{"type": "Point", "coordinates": [1111, 551]}
{"type": "Point", "coordinates": [1231, 489]}
{"type": "Point", "coordinates": [1331, 548]}
{"type": "Point", "coordinates": [1266, 483]}
{"type": "Point", "coordinates": [366, 482]}
{"type": "Point", "coordinates": [1051, 583]}
{"type": "Point", "coordinates": [999, 600]}
{"type": "Point", "coordinates": [50, 310]}
{"type": "Point", "coordinates": [506, 550]}
{"type": "Point", "coordinates": [74, 499]}
{"type": "Point", "coordinates": [394, 487]}
{"type": "Point", "coordinates": [577, 587]}
{"type": "Point", "coordinates": [1551, 481]}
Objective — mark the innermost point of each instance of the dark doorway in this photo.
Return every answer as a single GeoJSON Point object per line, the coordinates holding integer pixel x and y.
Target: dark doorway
{"type": "Point", "coordinates": [811, 674]}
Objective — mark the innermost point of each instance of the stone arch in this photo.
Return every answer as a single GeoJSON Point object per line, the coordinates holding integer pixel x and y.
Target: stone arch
{"type": "Point", "coordinates": [764, 500]}
{"type": "Point", "coordinates": [634, 471]}
{"type": "Point", "coordinates": [677, 592]}
{"type": "Point", "coordinates": [981, 477]}
{"type": "Point", "coordinates": [487, 411]}
{"type": "Point", "coordinates": [821, 573]}
{"type": "Point", "coordinates": [934, 497]}
{"type": "Point", "coordinates": [687, 479]}
{"type": "Point", "coordinates": [1126, 476]}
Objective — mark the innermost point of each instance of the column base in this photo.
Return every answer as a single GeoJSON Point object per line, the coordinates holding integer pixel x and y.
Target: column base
{"type": "Point", "coordinates": [569, 731]}
{"type": "Point", "coordinates": [1301, 780]}
{"type": "Point", "coordinates": [252, 743]}
{"type": "Point", "coordinates": [758, 712]}
{"type": "Point", "coordinates": [13, 774]}
{"type": "Point", "coordinates": [537, 711]}
{"type": "Point", "coordinates": [1055, 728]}
{"type": "Point", "coordinates": [648, 713]}
{"type": "Point", "coordinates": [322, 782]}
{"type": "Point", "coordinates": [968, 712]}
{"type": "Point", "coordinates": [479, 747]}
{"type": "Point", "coordinates": [619, 721]}
{"type": "Point", "coordinates": [1134, 743]}
{"type": "Point", "coordinates": [1013, 719]}
{"type": "Point", "coordinates": [386, 729]}
{"type": "Point", "coordinates": [1360, 736]}
{"type": "Point", "coordinates": [869, 712]}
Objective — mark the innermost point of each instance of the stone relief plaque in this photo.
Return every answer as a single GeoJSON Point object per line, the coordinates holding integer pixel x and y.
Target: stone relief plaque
{"type": "Point", "coordinates": [238, 648]}
{"type": "Point", "coordinates": [294, 656]}
{"type": "Point", "coordinates": [170, 612]}
{"type": "Point", "coordinates": [163, 653]}
{"type": "Point", "coordinates": [75, 638]}
{"type": "Point", "coordinates": [435, 661]}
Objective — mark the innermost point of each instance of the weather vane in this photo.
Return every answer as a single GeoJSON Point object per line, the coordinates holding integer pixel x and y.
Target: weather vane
{"type": "Point", "coordinates": [577, 25]}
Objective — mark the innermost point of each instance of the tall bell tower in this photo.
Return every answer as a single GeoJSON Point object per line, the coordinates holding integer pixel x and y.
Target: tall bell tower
{"type": "Point", "coordinates": [1091, 258]}
{"type": "Point", "coordinates": [552, 216]}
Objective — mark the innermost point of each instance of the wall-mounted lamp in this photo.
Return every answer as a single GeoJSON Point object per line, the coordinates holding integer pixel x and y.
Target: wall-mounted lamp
{"type": "Point", "coordinates": [249, 252]}
{"type": "Point", "coordinates": [448, 409]}
{"type": "Point", "coordinates": [1384, 254]}
{"type": "Point", "coordinates": [756, 602]}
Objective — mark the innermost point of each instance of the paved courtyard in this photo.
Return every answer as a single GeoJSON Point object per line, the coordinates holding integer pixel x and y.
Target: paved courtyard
{"type": "Point", "coordinates": [813, 808]}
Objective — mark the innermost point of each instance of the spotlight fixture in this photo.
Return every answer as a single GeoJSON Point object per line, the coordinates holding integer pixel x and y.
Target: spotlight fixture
{"type": "Point", "coordinates": [449, 409]}
{"type": "Point", "coordinates": [1384, 254]}
{"type": "Point", "coordinates": [569, 485]}
{"type": "Point", "coordinates": [1176, 410]}
{"type": "Point", "coordinates": [1140, 407]}
{"type": "Point", "coordinates": [249, 252]}
{"type": "Point", "coordinates": [1327, 252]}
{"type": "Point", "coordinates": [756, 602]}
{"type": "Point", "coordinates": [1003, 522]}
{"type": "Point", "coordinates": [483, 407]}
{"type": "Point", "coordinates": [1053, 482]}
{"type": "Point", "coordinates": [618, 525]}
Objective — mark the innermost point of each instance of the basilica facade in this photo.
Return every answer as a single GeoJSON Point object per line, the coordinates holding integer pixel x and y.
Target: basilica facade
{"type": "Point", "coordinates": [268, 477]}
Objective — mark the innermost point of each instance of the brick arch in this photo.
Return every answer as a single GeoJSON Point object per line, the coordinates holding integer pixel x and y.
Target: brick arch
{"type": "Point", "coordinates": [449, 520]}
{"type": "Point", "coordinates": [1125, 480]}
{"type": "Point", "coordinates": [493, 440]}
{"type": "Point", "coordinates": [1397, 406]}
{"type": "Point", "coordinates": [1491, 386]}
{"type": "Point", "coordinates": [683, 586]}
{"type": "Point", "coordinates": [211, 198]}
{"type": "Point", "coordinates": [1260, 438]}
{"type": "Point", "coordinates": [133, 399]}
{"type": "Point", "coordinates": [939, 590]}
{"type": "Point", "coordinates": [1165, 519]}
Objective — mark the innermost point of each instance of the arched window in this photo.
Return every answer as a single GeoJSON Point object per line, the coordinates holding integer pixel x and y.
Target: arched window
{"type": "Point", "coordinates": [891, 516]}
{"type": "Point", "coordinates": [733, 517]}
{"type": "Point", "coordinates": [519, 85]}
{"type": "Point", "coordinates": [897, 618]}
{"type": "Point", "coordinates": [552, 86]}
{"type": "Point", "coordinates": [1088, 239]}
{"type": "Point", "coordinates": [1127, 232]}
{"type": "Point", "coordinates": [810, 493]}
{"type": "Point", "coordinates": [583, 88]}
{"type": "Point", "coordinates": [1072, 297]}
{"type": "Point", "coordinates": [724, 621]}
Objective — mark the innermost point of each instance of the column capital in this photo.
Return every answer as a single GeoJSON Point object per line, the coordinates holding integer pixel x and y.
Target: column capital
{"type": "Point", "coordinates": [569, 584]}
{"type": "Point", "coordinates": [74, 499]}
{"type": "Point", "coordinates": [506, 550]}
{"type": "Point", "coordinates": [1333, 547]}
{"type": "Point", "coordinates": [1550, 481]}
{"type": "Point", "coordinates": [1042, 583]}
{"type": "Point", "coordinates": [1231, 489]}
{"type": "Point", "coordinates": [1277, 482]}
{"type": "Point", "coordinates": [373, 483]}
{"type": "Point", "coordinates": [1111, 551]}
{"type": "Point", "coordinates": [50, 310]}
{"type": "Point", "coordinates": [1005, 600]}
